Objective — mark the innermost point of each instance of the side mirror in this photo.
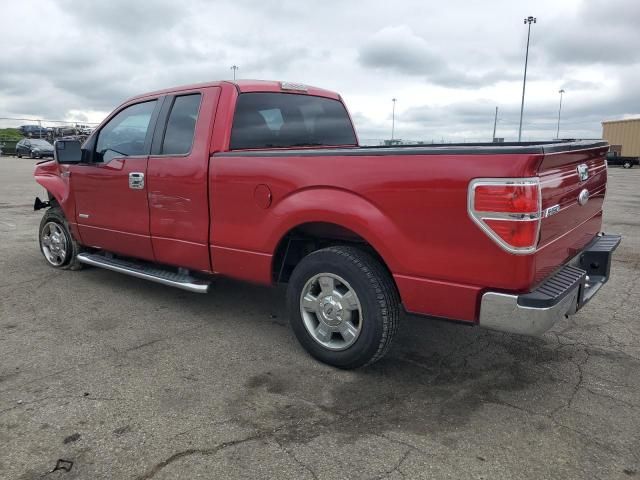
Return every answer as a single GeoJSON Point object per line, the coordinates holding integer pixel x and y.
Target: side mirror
{"type": "Point", "coordinates": [67, 151]}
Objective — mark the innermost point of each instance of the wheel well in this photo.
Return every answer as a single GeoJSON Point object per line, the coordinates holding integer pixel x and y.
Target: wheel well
{"type": "Point", "coordinates": [52, 200]}
{"type": "Point", "coordinates": [309, 237]}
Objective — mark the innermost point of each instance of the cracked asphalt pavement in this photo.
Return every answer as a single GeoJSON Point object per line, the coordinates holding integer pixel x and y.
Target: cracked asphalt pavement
{"type": "Point", "coordinates": [133, 380]}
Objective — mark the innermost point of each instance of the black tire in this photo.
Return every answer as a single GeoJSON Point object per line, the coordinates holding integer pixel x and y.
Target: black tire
{"type": "Point", "coordinates": [627, 165]}
{"type": "Point", "coordinates": [72, 247]}
{"type": "Point", "coordinates": [377, 296]}
{"type": "Point", "coordinates": [18, 155]}
{"type": "Point", "coordinates": [32, 155]}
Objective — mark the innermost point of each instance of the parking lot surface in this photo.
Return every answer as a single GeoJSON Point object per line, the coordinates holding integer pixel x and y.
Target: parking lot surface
{"type": "Point", "coordinates": [132, 380]}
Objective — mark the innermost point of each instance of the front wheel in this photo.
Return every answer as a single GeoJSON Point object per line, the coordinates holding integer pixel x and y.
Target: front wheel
{"type": "Point", "coordinates": [343, 306]}
{"type": "Point", "coordinates": [56, 241]}
{"type": "Point", "coordinates": [627, 165]}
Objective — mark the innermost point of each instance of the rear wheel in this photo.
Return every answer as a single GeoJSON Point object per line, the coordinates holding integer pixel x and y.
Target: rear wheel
{"type": "Point", "coordinates": [627, 164]}
{"type": "Point", "coordinates": [18, 154]}
{"type": "Point", "coordinates": [57, 244]}
{"type": "Point", "coordinates": [343, 306]}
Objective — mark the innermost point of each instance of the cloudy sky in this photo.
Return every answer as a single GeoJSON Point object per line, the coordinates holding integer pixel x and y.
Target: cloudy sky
{"type": "Point", "coordinates": [449, 63]}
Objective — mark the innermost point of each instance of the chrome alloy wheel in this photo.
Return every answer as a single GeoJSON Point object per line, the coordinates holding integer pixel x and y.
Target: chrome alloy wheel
{"type": "Point", "coordinates": [54, 244]}
{"type": "Point", "coordinates": [331, 311]}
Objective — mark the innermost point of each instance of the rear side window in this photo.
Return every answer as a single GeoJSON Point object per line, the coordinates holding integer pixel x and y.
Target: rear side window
{"type": "Point", "coordinates": [271, 120]}
{"type": "Point", "coordinates": [181, 126]}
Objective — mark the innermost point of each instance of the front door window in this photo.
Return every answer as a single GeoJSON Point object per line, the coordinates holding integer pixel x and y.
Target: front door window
{"type": "Point", "coordinates": [126, 134]}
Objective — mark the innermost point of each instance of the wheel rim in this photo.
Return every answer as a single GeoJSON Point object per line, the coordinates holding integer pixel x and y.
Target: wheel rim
{"type": "Point", "coordinates": [331, 311]}
{"type": "Point", "coordinates": [54, 243]}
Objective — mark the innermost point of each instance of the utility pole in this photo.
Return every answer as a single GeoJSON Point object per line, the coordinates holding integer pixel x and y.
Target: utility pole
{"type": "Point", "coordinates": [393, 118]}
{"type": "Point", "coordinates": [495, 123]}
{"type": "Point", "coordinates": [528, 20]}
{"type": "Point", "coordinates": [561, 91]}
{"type": "Point", "coordinates": [234, 68]}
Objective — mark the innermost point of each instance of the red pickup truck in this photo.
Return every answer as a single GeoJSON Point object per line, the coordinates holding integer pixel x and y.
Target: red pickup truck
{"type": "Point", "coordinates": [265, 182]}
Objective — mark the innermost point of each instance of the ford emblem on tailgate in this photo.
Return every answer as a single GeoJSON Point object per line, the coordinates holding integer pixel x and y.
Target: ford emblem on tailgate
{"type": "Point", "coordinates": [583, 172]}
{"type": "Point", "coordinates": [583, 197]}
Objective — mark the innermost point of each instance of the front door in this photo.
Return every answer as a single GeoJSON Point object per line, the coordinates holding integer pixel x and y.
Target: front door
{"type": "Point", "coordinates": [112, 210]}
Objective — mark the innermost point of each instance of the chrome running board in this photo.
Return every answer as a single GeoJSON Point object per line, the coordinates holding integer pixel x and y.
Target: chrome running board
{"type": "Point", "coordinates": [146, 271]}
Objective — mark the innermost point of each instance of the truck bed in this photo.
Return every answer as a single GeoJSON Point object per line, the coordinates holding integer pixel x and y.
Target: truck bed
{"type": "Point", "coordinates": [410, 204]}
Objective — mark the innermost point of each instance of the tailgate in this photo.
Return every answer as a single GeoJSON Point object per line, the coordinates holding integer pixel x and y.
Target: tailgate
{"type": "Point", "coordinates": [573, 186]}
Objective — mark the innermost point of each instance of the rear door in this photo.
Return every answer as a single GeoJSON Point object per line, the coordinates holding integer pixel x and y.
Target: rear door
{"type": "Point", "coordinates": [111, 193]}
{"type": "Point", "coordinates": [178, 179]}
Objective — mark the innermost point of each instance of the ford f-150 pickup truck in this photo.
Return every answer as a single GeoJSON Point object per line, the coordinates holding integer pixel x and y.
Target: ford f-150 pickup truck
{"type": "Point", "coordinates": [265, 182]}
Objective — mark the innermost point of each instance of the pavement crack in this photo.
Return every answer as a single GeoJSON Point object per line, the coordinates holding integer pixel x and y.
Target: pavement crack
{"type": "Point", "coordinates": [396, 466]}
{"type": "Point", "coordinates": [297, 460]}
{"type": "Point", "coordinates": [197, 451]}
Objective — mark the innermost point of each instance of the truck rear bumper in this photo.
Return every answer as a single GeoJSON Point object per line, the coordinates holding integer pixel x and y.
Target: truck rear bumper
{"type": "Point", "coordinates": [558, 296]}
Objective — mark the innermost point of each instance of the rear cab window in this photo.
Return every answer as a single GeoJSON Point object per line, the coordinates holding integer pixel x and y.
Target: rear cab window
{"type": "Point", "coordinates": [181, 125]}
{"type": "Point", "coordinates": [282, 120]}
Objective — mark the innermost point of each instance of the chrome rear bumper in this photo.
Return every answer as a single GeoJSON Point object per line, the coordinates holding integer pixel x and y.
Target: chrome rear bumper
{"type": "Point", "coordinates": [558, 296]}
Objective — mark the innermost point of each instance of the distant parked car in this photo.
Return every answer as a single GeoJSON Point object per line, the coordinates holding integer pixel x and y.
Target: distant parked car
{"type": "Point", "coordinates": [34, 148]}
{"type": "Point", "coordinates": [627, 162]}
{"type": "Point", "coordinates": [33, 131]}
{"type": "Point", "coordinates": [84, 129]}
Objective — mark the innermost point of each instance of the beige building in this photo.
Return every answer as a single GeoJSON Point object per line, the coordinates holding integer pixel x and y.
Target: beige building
{"type": "Point", "coordinates": [623, 136]}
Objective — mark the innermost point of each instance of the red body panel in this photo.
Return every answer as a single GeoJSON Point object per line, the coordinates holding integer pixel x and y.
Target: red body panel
{"type": "Point", "coordinates": [412, 209]}
{"type": "Point", "coordinates": [178, 196]}
{"type": "Point", "coordinates": [117, 217]}
{"type": "Point", "coordinates": [227, 214]}
{"type": "Point", "coordinates": [55, 180]}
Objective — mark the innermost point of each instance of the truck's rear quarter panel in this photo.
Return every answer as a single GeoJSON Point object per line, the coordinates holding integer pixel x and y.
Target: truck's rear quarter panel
{"type": "Point", "coordinates": [411, 208]}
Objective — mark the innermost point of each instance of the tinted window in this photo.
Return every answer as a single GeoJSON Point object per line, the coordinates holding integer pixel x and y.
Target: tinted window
{"type": "Point", "coordinates": [181, 125]}
{"type": "Point", "coordinates": [264, 120]}
{"type": "Point", "coordinates": [125, 133]}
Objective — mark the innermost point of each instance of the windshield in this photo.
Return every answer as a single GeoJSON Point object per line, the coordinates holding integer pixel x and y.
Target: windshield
{"type": "Point", "coordinates": [40, 143]}
{"type": "Point", "coordinates": [267, 120]}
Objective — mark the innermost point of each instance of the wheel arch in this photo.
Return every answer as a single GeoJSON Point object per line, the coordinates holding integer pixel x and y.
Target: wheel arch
{"type": "Point", "coordinates": [324, 216]}
{"type": "Point", "coordinates": [58, 190]}
{"type": "Point", "coordinates": [305, 238]}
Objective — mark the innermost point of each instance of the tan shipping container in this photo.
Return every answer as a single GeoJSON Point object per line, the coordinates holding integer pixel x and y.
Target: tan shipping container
{"type": "Point", "coordinates": [625, 133]}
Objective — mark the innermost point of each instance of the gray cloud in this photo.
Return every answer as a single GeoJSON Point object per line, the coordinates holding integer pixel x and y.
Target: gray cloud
{"type": "Point", "coordinates": [449, 66]}
{"type": "Point", "coordinates": [399, 49]}
{"type": "Point", "coordinates": [600, 31]}
{"type": "Point", "coordinates": [473, 120]}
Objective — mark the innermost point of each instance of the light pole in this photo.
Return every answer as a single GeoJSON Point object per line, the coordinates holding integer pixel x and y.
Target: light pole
{"type": "Point", "coordinates": [495, 123]}
{"type": "Point", "coordinates": [234, 68]}
{"type": "Point", "coordinates": [393, 118]}
{"type": "Point", "coordinates": [528, 20]}
{"type": "Point", "coordinates": [561, 91]}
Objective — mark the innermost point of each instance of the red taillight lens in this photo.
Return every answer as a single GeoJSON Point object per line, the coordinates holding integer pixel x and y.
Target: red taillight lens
{"type": "Point", "coordinates": [506, 198]}
{"type": "Point", "coordinates": [519, 234]}
{"type": "Point", "coordinates": [508, 211]}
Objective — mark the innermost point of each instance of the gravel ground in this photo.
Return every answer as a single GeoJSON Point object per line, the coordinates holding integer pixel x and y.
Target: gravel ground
{"type": "Point", "coordinates": [130, 379]}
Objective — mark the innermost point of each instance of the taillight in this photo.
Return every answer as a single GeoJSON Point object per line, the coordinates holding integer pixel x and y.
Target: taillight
{"type": "Point", "coordinates": [508, 210]}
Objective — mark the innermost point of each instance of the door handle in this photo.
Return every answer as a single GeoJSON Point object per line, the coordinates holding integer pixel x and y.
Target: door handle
{"type": "Point", "coordinates": [136, 180]}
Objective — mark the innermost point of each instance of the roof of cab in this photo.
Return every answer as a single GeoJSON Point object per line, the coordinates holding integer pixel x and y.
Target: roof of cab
{"type": "Point", "coordinates": [245, 86]}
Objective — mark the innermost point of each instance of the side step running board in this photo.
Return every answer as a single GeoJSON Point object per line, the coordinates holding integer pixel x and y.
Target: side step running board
{"type": "Point", "coordinates": [146, 272]}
